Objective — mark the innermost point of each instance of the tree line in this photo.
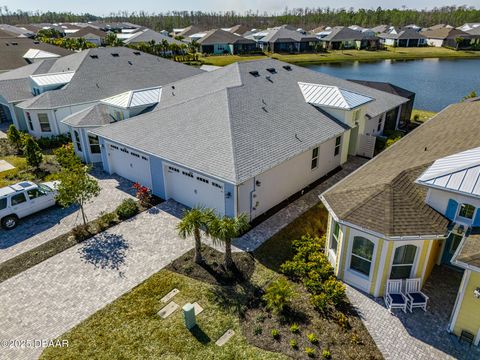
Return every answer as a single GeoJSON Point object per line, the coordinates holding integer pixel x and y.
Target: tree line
{"type": "Point", "coordinates": [306, 18]}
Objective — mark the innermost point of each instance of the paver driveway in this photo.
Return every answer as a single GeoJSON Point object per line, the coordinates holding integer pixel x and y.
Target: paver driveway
{"type": "Point", "coordinates": [52, 297]}
{"type": "Point", "coordinates": [48, 224]}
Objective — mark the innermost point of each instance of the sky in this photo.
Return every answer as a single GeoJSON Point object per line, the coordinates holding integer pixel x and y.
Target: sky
{"type": "Point", "coordinates": [105, 7]}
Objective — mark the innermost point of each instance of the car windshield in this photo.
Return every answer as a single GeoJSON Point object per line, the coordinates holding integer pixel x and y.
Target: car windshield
{"type": "Point", "coordinates": [44, 188]}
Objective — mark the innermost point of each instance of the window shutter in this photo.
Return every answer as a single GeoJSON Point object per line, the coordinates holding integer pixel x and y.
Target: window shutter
{"type": "Point", "coordinates": [476, 221]}
{"type": "Point", "coordinates": [451, 209]}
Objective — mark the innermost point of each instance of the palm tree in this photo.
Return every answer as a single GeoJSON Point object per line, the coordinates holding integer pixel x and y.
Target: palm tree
{"type": "Point", "coordinates": [226, 228]}
{"type": "Point", "coordinates": [192, 222]}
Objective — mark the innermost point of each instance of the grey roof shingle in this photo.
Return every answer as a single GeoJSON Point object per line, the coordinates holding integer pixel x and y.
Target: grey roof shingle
{"type": "Point", "coordinates": [342, 33]}
{"type": "Point", "coordinates": [283, 34]}
{"type": "Point", "coordinates": [219, 36]}
{"type": "Point", "coordinates": [382, 195]}
{"type": "Point", "coordinates": [106, 75]}
{"type": "Point", "coordinates": [405, 33]}
{"type": "Point", "coordinates": [148, 35]}
{"type": "Point", "coordinates": [96, 115]}
{"type": "Point", "coordinates": [233, 125]}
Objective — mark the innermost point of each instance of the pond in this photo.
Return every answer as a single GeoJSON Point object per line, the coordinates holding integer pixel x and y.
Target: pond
{"type": "Point", "coordinates": [436, 82]}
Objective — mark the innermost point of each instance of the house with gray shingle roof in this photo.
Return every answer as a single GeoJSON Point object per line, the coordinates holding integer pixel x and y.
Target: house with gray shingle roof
{"type": "Point", "coordinates": [37, 97]}
{"type": "Point", "coordinates": [219, 41]}
{"type": "Point", "coordinates": [406, 37]}
{"type": "Point", "coordinates": [414, 206]}
{"type": "Point", "coordinates": [243, 138]}
{"type": "Point", "coordinates": [283, 39]}
{"type": "Point", "coordinates": [343, 37]}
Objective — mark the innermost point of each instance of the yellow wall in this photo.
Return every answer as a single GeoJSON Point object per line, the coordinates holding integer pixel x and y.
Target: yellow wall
{"type": "Point", "coordinates": [432, 260]}
{"type": "Point", "coordinates": [469, 315]}
{"type": "Point", "coordinates": [378, 260]}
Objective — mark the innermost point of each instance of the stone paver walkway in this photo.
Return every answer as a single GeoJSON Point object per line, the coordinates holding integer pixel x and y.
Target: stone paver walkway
{"type": "Point", "coordinates": [48, 224]}
{"type": "Point", "coordinates": [52, 297]}
{"type": "Point", "coordinates": [264, 231]}
{"type": "Point", "coordinates": [418, 335]}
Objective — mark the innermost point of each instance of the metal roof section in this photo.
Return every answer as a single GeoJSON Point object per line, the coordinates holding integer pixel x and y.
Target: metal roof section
{"type": "Point", "coordinates": [459, 172]}
{"type": "Point", "coordinates": [52, 78]}
{"type": "Point", "coordinates": [332, 96]}
{"type": "Point", "coordinates": [135, 98]}
{"type": "Point", "coordinates": [39, 54]}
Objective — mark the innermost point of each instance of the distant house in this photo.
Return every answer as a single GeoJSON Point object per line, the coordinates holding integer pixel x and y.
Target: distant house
{"type": "Point", "coordinates": [283, 39]}
{"type": "Point", "coordinates": [415, 206]}
{"type": "Point", "coordinates": [90, 34]}
{"type": "Point", "coordinates": [147, 35]}
{"type": "Point", "coordinates": [469, 26]}
{"type": "Point", "coordinates": [15, 31]}
{"type": "Point", "coordinates": [238, 29]}
{"type": "Point", "coordinates": [341, 36]}
{"type": "Point", "coordinates": [186, 32]}
{"type": "Point", "coordinates": [405, 37]}
{"type": "Point", "coordinates": [219, 41]}
{"type": "Point", "coordinates": [474, 36]}
{"type": "Point", "coordinates": [448, 37]}
{"type": "Point", "coordinates": [381, 29]}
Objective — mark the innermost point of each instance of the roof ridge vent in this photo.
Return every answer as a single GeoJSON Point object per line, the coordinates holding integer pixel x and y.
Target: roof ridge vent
{"type": "Point", "coordinates": [115, 55]}
{"type": "Point", "coordinates": [287, 67]}
{"type": "Point", "coordinates": [94, 56]}
{"type": "Point", "coordinates": [272, 70]}
{"type": "Point", "coordinates": [254, 73]}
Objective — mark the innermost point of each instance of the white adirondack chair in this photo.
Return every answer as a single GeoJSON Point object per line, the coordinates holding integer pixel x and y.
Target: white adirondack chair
{"type": "Point", "coordinates": [394, 298]}
{"type": "Point", "coordinates": [415, 297]}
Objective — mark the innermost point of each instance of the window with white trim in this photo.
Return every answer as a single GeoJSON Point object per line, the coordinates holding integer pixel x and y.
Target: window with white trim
{"type": "Point", "coordinates": [334, 238]}
{"type": "Point", "coordinates": [94, 144]}
{"type": "Point", "coordinates": [44, 123]}
{"type": "Point", "coordinates": [379, 127]}
{"type": "Point", "coordinates": [314, 158]}
{"type": "Point", "coordinates": [29, 121]}
{"type": "Point", "coordinates": [403, 261]}
{"type": "Point", "coordinates": [466, 211]}
{"type": "Point", "coordinates": [362, 254]}
{"type": "Point", "coordinates": [77, 140]}
{"type": "Point", "coordinates": [338, 145]}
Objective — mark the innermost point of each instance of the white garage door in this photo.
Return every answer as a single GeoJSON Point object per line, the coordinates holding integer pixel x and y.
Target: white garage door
{"type": "Point", "coordinates": [191, 189]}
{"type": "Point", "coordinates": [130, 164]}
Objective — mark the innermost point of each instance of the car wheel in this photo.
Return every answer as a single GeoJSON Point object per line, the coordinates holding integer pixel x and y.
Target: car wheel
{"type": "Point", "coordinates": [9, 222]}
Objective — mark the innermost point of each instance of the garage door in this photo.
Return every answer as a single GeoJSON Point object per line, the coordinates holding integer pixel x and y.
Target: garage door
{"type": "Point", "coordinates": [130, 164]}
{"type": "Point", "coordinates": [191, 189]}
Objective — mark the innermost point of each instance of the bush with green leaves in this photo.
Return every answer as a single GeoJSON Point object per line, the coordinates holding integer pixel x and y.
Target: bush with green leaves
{"type": "Point", "coordinates": [275, 334]}
{"type": "Point", "coordinates": [66, 157]}
{"type": "Point", "coordinates": [258, 330]}
{"type": "Point", "coordinates": [326, 354]}
{"type": "Point", "coordinates": [127, 209]}
{"type": "Point", "coordinates": [106, 220]}
{"type": "Point", "coordinates": [278, 296]}
{"type": "Point", "coordinates": [312, 338]}
{"type": "Point", "coordinates": [310, 352]}
{"type": "Point", "coordinates": [295, 329]}
{"type": "Point", "coordinates": [32, 153]}
{"type": "Point", "coordinates": [342, 320]}
{"type": "Point", "coordinates": [294, 344]}
{"type": "Point", "coordinates": [53, 142]}
{"type": "Point", "coordinates": [14, 137]}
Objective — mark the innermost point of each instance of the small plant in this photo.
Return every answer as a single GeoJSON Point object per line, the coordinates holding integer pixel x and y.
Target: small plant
{"type": "Point", "coordinates": [295, 329]}
{"type": "Point", "coordinates": [260, 318]}
{"type": "Point", "coordinates": [127, 209]}
{"type": "Point", "coordinates": [342, 321]}
{"type": "Point", "coordinates": [355, 339]}
{"type": "Point", "coordinates": [310, 352]}
{"type": "Point", "coordinates": [106, 219]}
{"type": "Point", "coordinates": [326, 354]}
{"type": "Point", "coordinates": [312, 338]}
{"type": "Point", "coordinates": [258, 330]}
{"type": "Point", "coordinates": [275, 334]}
{"type": "Point", "coordinates": [144, 194]}
{"type": "Point", "coordinates": [293, 344]}
{"type": "Point", "coordinates": [81, 232]}
{"type": "Point", "coordinates": [278, 296]}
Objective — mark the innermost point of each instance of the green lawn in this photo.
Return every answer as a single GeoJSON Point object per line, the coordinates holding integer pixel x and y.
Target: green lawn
{"type": "Point", "coordinates": [349, 55]}
{"type": "Point", "coordinates": [423, 115]}
{"type": "Point", "coordinates": [23, 172]}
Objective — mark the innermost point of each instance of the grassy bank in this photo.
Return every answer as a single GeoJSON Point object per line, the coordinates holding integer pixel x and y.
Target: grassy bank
{"type": "Point", "coordinates": [422, 115]}
{"type": "Point", "coordinates": [348, 55]}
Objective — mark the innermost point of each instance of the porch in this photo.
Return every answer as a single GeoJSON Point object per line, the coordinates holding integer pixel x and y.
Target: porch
{"type": "Point", "coordinates": [417, 335]}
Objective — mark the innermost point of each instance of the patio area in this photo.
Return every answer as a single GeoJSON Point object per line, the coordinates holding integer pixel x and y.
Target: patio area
{"type": "Point", "coordinates": [417, 335]}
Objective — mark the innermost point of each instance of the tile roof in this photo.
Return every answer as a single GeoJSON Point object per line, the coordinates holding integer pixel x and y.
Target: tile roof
{"type": "Point", "coordinates": [382, 195]}
{"type": "Point", "coordinates": [332, 96]}
{"type": "Point", "coordinates": [233, 125]}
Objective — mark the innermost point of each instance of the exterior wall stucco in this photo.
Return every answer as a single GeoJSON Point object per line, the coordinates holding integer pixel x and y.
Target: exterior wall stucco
{"type": "Point", "coordinates": [468, 317]}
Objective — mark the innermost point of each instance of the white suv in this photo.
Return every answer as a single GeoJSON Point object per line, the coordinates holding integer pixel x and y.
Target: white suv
{"type": "Point", "coordinates": [23, 199]}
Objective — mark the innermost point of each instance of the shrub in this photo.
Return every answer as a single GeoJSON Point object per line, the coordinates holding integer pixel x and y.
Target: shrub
{"type": "Point", "coordinates": [295, 329]}
{"type": "Point", "coordinates": [14, 137]}
{"type": "Point", "coordinates": [278, 295]}
{"type": "Point", "coordinates": [327, 354]}
{"type": "Point", "coordinates": [275, 334]}
{"type": "Point", "coordinates": [53, 142]}
{"type": "Point", "coordinates": [106, 219]}
{"type": "Point", "coordinates": [32, 152]}
{"type": "Point", "coordinates": [355, 339]}
{"type": "Point", "coordinates": [334, 290]}
{"type": "Point", "coordinates": [293, 344]}
{"type": "Point", "coordinates": [144, 195]}
{"type": "Point", "coordinates": [260, 318]}
{"type": "Point", "coordinates": [81, 232]}
{"type": "Point", "coordinates": [312, 338]}
{"type": "Point", "coordinates": [258, 330]}
{"type": "Point", "coordinates": [342, 321]}
{"type": "Point", "coordinates": [320, 302]}
{"type": "Point", "coordinates": [66, 157]}
{"type": "Point", "coordinates": [391, 141]}
{"type": "Point", "coordinates": [127, 209]}
{"type": "Point", "coordinates": [310, 352]}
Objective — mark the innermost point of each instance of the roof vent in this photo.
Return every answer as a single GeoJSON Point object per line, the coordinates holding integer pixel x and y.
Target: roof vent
{"type": "Point", "coordinates": [137, 53]}
{"type": "Point", "coordinates": [287, 67]}
{"type": "Point", "coordinates": [115, 54]}
{"type": "Point", "coordinates": [94, 56]}
{"type": "Point", "coordinates": [272, 70]}
{"type": "Point", "coordinates": [254, 73]}
{"type": "Point", "coordinates": [14, 43]}
{"type": "Point", "coordinates": [269, 79]}
{"type": "Point", "coordinates": [130, 63]}
{"type": "Point", "coordinates": [36, 42]}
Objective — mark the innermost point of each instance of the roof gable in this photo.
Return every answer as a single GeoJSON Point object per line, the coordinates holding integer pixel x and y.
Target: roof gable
{"type": "Point", "coordinates": [134, 98]}
{"type": "Point", "coordinates": [332, 96]}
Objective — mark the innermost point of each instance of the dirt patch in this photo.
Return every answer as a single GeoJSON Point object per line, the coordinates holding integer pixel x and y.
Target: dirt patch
{"type": "Point", "coordinates": [212, 270]}
{"type": "Point", "coordinates": [353, 342]}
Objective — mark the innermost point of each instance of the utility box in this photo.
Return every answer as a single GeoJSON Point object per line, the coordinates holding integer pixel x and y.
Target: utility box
{"type": "Point", "coordinates": [189, 316]}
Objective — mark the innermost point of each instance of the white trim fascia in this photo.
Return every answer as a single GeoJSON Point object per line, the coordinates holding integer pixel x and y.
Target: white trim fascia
{"type": "Point", "coordinates": [476, 341]}
{"type": "Point", "coordinates": [436, 187]}
{"type": "Point", "coordinates": [381, 266]}
{"type": "Point", "coordinates": [460, 294]}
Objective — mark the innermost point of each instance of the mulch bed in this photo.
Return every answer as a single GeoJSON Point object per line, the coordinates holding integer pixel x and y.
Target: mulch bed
{"type": "Point", "coordinates": [352, 343]}
{"type": "Point", "coordinates": [212, 270]}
